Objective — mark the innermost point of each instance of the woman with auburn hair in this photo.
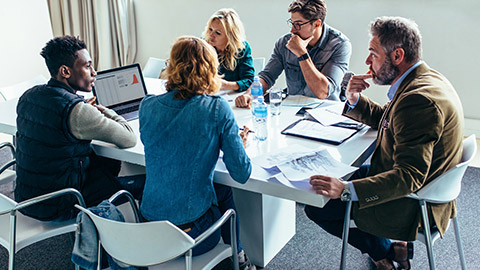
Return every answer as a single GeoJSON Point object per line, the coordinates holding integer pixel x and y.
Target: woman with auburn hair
{"type": "Point", "coordinates": [226, 34]}
{"type": "Point", "coordinates": [183, 132]}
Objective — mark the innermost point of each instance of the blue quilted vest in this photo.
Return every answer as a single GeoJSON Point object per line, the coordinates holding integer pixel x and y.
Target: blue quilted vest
{"type": "Point", "coordinates": [48, 157]}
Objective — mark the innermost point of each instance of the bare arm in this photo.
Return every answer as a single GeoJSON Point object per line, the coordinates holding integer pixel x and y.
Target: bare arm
{"type": "Point", "coordinates": [316, 81]}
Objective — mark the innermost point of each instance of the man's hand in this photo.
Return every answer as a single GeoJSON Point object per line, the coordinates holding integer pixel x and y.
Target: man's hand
{"type": "Point", "coordinates": [328, 186]}
{"type": "Point", "coordinates": [243, 101]}
{"type": "Point", "coordinates": [297, 45]}
{"type": "Point", "coordinates": [355, 86]}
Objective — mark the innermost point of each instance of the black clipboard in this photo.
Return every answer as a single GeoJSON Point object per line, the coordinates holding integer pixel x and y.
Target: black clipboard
{"type": "Point", "coordinates": [320, 137]}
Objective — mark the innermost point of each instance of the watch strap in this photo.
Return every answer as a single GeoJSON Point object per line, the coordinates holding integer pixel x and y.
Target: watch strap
{"type": "Point", "coordinates": [304, 57]}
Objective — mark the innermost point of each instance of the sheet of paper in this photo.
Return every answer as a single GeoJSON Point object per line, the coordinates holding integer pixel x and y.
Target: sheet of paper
{"type": "Point", "coordinates": [319, 162]}
{"type": "Point", "coordinates": [301, 101]}
{"type": "Point", "coordinates": [325, 116]}
{"type": "Point", "coordinates": [314, 129]}
{"type": "Point", "coordinates": [281, 155]}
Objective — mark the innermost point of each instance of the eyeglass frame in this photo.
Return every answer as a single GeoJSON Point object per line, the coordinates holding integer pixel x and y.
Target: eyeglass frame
{"type": "Point", "coordinates": [296, 25]}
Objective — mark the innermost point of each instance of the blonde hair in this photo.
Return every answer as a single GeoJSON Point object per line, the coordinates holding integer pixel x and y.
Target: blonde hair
{"type": "Point", "coordinates": [235, 36]}
{"type": "Point", "coordinates": [192, 68]}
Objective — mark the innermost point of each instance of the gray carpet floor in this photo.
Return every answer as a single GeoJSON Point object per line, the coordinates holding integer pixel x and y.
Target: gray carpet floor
{"type": "Point", "coordinates": [310, 248]}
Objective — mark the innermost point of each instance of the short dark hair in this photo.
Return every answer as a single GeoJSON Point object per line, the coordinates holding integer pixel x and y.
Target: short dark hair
{"type": "Point", "coordinates": [310, 9]}
{"type": "Point", "coordinates": [61, 51]}
{"type": "Point", "coordinates": [398, 32]}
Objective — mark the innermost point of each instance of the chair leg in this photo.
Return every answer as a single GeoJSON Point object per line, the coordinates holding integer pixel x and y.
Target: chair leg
{"type": "Point", "coordinates": [456, 228]}
{"type": "Point", "coordinates": [427, 233]}
{"type": "Point", "coordinates": [233, 240]}
{"type": "Point", "coordinates": [99, 254]}
{"type": "Point", "coordinates": [346, 229]}
{"type": "Point", "coordinates": [13, 240]}
{"type": "Point", "coordinates": [188, 260]}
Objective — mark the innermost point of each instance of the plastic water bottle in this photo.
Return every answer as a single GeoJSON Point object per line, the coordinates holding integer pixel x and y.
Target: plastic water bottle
{"type": "Point", "coordinates": [256, 90]}
{"type": "Point", "coordinates": [260, 119]}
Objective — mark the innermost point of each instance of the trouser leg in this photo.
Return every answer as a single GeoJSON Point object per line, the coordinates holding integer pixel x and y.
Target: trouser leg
{"type": "Point", "coordinates": [225, 202]}
{"type": "Point", "coordinates": [100, 181]}
{"type": "Point", "coordinates": [330, 218]}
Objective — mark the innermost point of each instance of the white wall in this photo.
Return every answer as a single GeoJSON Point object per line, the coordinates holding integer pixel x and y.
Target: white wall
{"type": "Point", "coordinates": [451, 34]}
{"type": "Point", "coordinates": [24, 28]}
{"type": "Point", "coordinates": [450, 29]}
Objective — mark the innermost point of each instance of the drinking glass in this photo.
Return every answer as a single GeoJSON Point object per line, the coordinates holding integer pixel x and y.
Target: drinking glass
{"type": "Point", "coordinates": [275, 100]}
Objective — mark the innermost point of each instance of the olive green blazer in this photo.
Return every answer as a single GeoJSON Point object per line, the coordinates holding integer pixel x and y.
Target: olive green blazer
{"type": "Point", "coordinates": [420, 134]}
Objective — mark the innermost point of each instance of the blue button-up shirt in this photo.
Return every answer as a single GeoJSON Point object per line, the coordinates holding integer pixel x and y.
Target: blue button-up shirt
{"type": "Point", "coordinates": [330, 56]}
{"type": "Point", "coordinates": [182, 140]}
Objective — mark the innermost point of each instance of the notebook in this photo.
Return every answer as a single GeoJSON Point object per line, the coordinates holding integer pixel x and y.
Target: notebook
{"type": "Point", "coordinates": [121, 89]}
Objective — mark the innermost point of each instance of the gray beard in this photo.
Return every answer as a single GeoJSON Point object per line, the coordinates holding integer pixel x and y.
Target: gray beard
{"type": "Point", "coordinates": [387, 74]}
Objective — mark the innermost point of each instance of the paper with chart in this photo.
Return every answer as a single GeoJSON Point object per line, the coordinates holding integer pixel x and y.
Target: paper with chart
{"type": "Point", "coordinates": [319, 162]}
{"type": "Point", "coordinates": [298, 163]}
{"type": "Point", "coordinates": [280, 156]}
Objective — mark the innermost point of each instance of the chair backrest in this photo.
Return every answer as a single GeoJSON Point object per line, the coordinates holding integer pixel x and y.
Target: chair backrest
{"type": "Point", "coordinates": [258, 64]}
{"type": "Point", "coordinates": [140, 244]}
{"type": "Point", "coordinates": [153, 68]}
{"type": "Point", "coordinates": [6, 204]}
{"type": "Point", "coordinates": [447, 186]}
{"type": "Point", "coordinates": [14, 91]}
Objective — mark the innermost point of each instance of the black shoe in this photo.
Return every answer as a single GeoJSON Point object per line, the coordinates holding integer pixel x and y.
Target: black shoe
{"type": "Point", "coordinates": [244, 263]}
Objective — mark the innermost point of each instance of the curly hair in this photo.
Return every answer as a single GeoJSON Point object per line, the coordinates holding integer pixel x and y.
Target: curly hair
{"type": "Point", "coordinates": [61, 51]}
{"type": "Point", "coordinates": [398, 32]}
{"type": "Point", "coordinates": [192, 68]}
{"type": "Point", "coordinates": [235, 33]}
{"type": "Point", "coordinates": [310, 9]}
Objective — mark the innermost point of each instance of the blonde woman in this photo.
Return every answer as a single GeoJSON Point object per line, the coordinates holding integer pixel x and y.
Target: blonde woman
{"type": "Point", "coordinates": [226, 34]}
{"type": "Point", "coordinates": [183, 132]}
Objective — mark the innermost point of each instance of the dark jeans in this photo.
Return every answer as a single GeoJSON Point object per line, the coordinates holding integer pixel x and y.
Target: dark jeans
{"type": "Point", "coordinates": [102, 181]}
{"type": "Point", "coordinates": [225, 202]}
{"type": "Point", "coordinates": [331, 218]}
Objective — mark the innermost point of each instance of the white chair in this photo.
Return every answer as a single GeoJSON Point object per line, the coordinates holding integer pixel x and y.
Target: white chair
{"type": "Point", "coordinates": [160, 243]}
{"type": "Point", "coordinates": [19, 231]}
{"type": "Point", "coordinates": [7, 175]}
{"type": "Point", "coordinates": [14, 91]}
{"type": "Point", "coordinates": [443, 189]}
{"type": "Point", "coordinates": [258, 64]}
{"type": "Point", "coordinates": [154, 68]}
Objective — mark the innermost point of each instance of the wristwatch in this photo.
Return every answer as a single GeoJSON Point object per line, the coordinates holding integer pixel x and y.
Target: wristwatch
{"type": "Point", "coordinates": [346, 195]}
{"type": "Point", "coordinates": [304, 57]}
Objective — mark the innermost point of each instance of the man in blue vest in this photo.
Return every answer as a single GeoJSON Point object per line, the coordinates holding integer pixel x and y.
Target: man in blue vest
{"type": "Point", "coordinates": [55, 127]}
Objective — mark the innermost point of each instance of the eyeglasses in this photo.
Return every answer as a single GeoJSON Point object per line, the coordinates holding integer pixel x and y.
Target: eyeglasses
{"type": "Point", "coordinates": [296, 25]}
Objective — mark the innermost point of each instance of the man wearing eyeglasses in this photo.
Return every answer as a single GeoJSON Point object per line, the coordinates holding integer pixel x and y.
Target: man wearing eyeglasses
{"type": "Point", "coordinates": [313, 55]}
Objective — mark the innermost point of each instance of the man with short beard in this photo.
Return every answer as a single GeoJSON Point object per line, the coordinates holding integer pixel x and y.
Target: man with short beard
{"type": "Point", "coordinates": [420, 133]}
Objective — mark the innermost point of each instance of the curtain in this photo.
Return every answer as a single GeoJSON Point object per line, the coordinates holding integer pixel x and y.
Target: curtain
{"type": "Point", "coordinates": [107, 27]}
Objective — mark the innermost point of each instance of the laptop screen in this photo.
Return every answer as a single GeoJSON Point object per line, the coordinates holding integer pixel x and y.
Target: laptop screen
{"type": "Point", "coordinates": [119, 86]}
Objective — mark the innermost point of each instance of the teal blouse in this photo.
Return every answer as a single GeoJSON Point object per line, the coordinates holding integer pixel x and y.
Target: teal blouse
{"type": "Point", "coordinates": [243, 73]}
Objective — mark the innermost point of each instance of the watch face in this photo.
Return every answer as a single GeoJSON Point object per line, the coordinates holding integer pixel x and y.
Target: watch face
{"type": "Point", "coordinates": [345, 197]}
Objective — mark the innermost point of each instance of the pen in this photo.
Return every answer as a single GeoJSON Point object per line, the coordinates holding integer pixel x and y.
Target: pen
{"type": "Point", "coordinates": [250, 131]}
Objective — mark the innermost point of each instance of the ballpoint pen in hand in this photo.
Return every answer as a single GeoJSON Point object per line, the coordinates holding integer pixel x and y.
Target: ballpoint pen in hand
{"type": "Point", "coordinates": [249, 131]}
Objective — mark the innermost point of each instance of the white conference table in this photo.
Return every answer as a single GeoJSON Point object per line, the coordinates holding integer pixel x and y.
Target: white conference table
{"type": "Point", "coordinates": [265, 206]}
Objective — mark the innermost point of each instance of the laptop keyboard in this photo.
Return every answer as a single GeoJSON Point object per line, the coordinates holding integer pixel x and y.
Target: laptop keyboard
{"type": "Point", "coordinates": [127, 110]}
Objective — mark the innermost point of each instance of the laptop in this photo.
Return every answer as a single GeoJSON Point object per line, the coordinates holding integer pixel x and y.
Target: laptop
{"type": "Point", "coordinates": [121, 89]}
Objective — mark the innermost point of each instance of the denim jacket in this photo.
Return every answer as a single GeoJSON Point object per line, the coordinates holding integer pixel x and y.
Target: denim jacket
{"type": "Point", "coordinates": [330, 55]}
{"type": "Point", "coordinates": [85, 248]}
{"type": "Point", "coordinates": [182, 141]}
